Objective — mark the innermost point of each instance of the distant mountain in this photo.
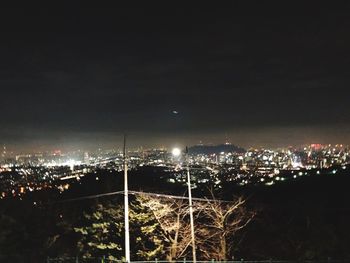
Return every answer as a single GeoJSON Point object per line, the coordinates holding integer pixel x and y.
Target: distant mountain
{"type": "Point", "coordinates": [210, 149]}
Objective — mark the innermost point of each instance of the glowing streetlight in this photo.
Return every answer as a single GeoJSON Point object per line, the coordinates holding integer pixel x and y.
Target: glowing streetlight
{"type": "Point", "coordinates": [176, 153]}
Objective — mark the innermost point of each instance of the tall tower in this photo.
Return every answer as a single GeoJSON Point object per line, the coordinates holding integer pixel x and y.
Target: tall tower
{"type": "Point", "coordinates": [3, 154]}
{"type": "Point", "coordinates": [86, 158]}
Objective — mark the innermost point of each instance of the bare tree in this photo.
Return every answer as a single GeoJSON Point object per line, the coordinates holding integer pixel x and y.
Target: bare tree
{"type": "Point", "coordinates": [172, 216]}
{"type": "Point", "coordinates": [220, 221]}
{"type": "Point", "coordinates": [216, 224]}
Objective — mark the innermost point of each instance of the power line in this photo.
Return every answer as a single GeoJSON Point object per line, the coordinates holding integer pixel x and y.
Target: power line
{"type": "Point", "coordinates": [180, 197]}
{"type": "Point", "coordinates": [90, 197]}
{"type": "Point", "coordinates": [143, 193]}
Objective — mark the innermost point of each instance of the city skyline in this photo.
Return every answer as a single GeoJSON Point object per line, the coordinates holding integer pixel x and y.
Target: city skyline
{"type": "Point", "coordinates": [175, 132]}
{"type": "Point", "coordinates": [260, 138]}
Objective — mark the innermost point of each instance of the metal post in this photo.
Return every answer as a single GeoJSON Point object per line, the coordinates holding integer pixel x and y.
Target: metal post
{"type": "Point", "coordinates": [126, 207]}
{"type": "Point", "coordinates": [194, 258]}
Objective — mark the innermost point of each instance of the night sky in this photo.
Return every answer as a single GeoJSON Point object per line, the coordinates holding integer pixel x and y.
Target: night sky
{"type": "Point", "coordinates": [254, 73]}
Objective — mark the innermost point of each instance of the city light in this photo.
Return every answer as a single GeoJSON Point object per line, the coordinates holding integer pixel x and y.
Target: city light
{"type": "Point", "coordinates": [236, 115]}
{"type": "Point", "coordinates": [176, 152]}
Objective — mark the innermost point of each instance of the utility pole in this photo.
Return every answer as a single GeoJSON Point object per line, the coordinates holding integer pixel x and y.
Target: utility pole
{"type": "Point", "coordinates": [126, 206]}
{"type": "Point", "coordinates": [194, 258]}
{"type": "Point", "coordinates": [176, 153]}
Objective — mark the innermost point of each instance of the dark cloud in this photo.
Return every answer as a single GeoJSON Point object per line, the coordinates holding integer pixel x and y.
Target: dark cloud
{"type": "Point", "coordinates": [229, 68]}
